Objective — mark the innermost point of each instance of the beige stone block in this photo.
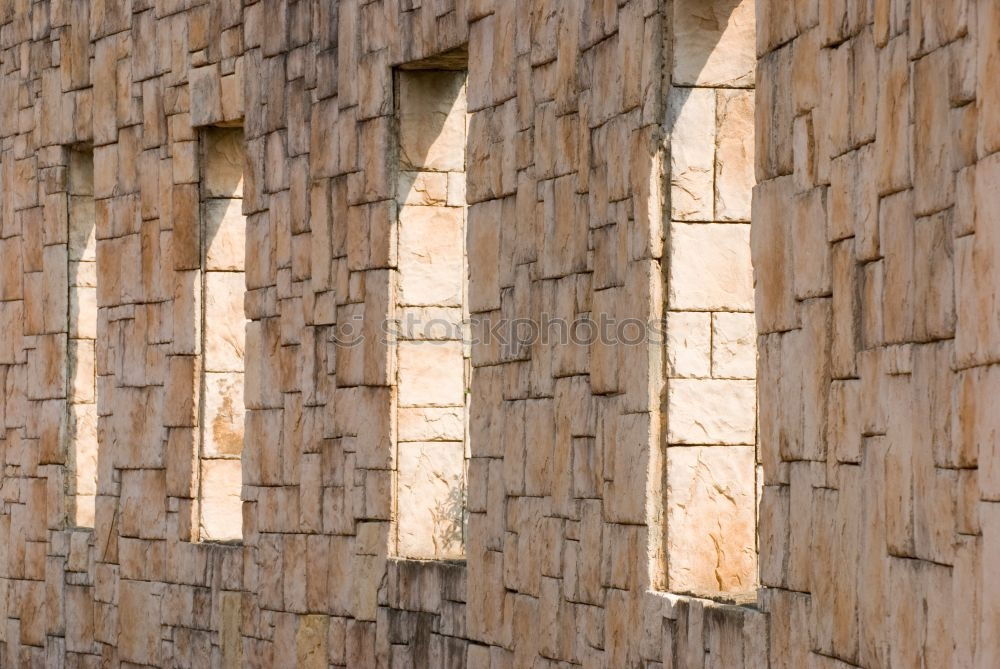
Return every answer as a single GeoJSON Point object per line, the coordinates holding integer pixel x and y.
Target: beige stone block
{"type": "Point", "coordinates": [734, 346]}
{"type": "Point", "coordinates": [223, 414]}
{"type": "Point", "coordinates": [140, 613]}
{"type": "Point", "coordinates": [82, 431]}
{"type": "Point", "coordinates": [422, 188]}
{"type": "Point", "coordinates": [690, 123]}
{"type": "Point", "coordinates": [221, 507]}
{"type": "Point", "coordinates": [710, 267]}
{"type": "Point", "coordinates": [734, 155]}
{"type": "Point", "coordinates": [222, 163]}
{"type": "Point", "coordinates": [436, 323]}
{"type": "Point", "coordinates": [456, 189]}
{"type": "Point", "coordinates": [82, 228]}
{"type": "Point", "coordinates": [143, 503]}
{"type": "Point", "coordinates": [83, 312]}
{"type": "Point", "coordinates": [431, 268]}
{"type": "Point", "coordinates": [689, 344]}
{"type": "Point", "coordinates": [431, 423]}
{"type": "Point", "coordinates": [711, 411]}
{"type": "Point", "coordinates": [225, 323]}
{"type": "Point", "coordinates": [431, 374]}
{"type": "Point", "coordinates": [83, 274]}
{"type": "Point", "coordinates": [714, 43]}
{"type": "Point", "coordinates": [430, 500]}
{"type": "Point", "coordinates": [225, 234]}
{"type": "Point", "coordinates": [311, 639]}
{"type": "Point", "coordinates": [711, 502]}
{"type": "Point", "coordinates": [82, 372]}
{"type": "Point", "coordinates": [933, 165]}
{"type": "Point", "coordinates": [432, 120]}
{"type": "Point", "coordinates": [988, 71]}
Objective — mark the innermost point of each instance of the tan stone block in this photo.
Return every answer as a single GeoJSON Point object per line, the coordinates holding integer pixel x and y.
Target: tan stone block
{"type": "Point", "coordinates": [989, 616]}
{"type": "Point", "coordinates": [812, 253]}
{"type": "Point", "coordinates": [710, 267]}
{"type": "Point", "coordinates": [82, 372]}
{"type": "Point", "coordinates": [225, 323]}
{"type": "Point", "coordinates": [221, 507]}
{"type": "Point", "coordinates": [83, 312]}
{"type": "Point", "coordinates": [734, 155]}
{"type": "Point", "coordinates": [933, 167]}
{"type": "Point", "coordinates": [223, 158]}
{"type": "Point", "coordinates": [430, 500]}
{"type": "Point", "coordinates": [714, 43]}
{"type": "Point", "coordinates": [431, 424]}
{"type": "Point", "coordinates": [485, 221]}
{"type": "Point", "coordinates": [896, 232]}
{"type": "Point", "coordinates": [223, 414]}
{"type": "Point", "coordinates": [716, 483]}
{"type": "Point", "coordinates": [205, 94]}
{"type": "Point", "coordinates": [893, 117]}
{"type": "Point", "coordinates": [734, 346]}
{"type": "Point", "coordinates": [432, 120]}
{"type": "Point", "coordinates": [692, 153]}
{"type": "Point", "coordinates": [139, 610]}
{"type": "Point", "coordinates": [987, 71]}
{"type": "Point", "coordinates": [311, 640]}
{"type": "Point", "coordinates": [431, 374]}
{"type": "Point", "coordinates": [689, 344]}
{"type": "Point", "coordinates": [225, 234]}
{"type": "Point", "coordinates": [711, 411]}
{"type": "Point", "coordinates": [82, 229]}
{"type": "Point", "coordinates": [431, 268]}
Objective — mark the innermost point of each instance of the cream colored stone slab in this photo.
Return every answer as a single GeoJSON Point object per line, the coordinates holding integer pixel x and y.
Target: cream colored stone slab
{"type": "Point", "coordinates": [431, 424]}
{"type": "Point", "coordinates": [710, 500]}
{"type": "Point", "coordinates": [222, 163]}
{"type": "Point", "coordinates": [734, 155]}
{"type": "Point", "coordinates": [437, 323]}
{"type": "Point", "coordinates": [456, 189]}
{"type": "Point", "coordinates": [714, 43]}
{"type": "Point", "coordinates": [83, 273]}
{"type": "Point", "coordinates": [225, 322]}
{"type": "Point", "coordinates": [224, 413]}
{"type": "Point", "coordinates": [432, 123]}
{"type": "Point", "coordinates": [221, 508]}
{"type": "Point", "coordinates": [691, 127]}
{"type": "Point", "coordinates": [431, 374]}
{"type": "Point", "coordinates": [734, 345]}
{"type": "Point", "coordinates": [430, 500]}
{"type": "Point", "coordinates": [82, 369]}
{"type": "Point", "coordinates": [83, 312]}
{"type": "Point", "coordinates": [710, 267]}
{"type": "Point", "coordinates": [689, 343]}
{"type": "Point", "coordinates": [422, 188]}
{"type": "Point", "coordinates": [225, 234]}
{"type": "Point", "coordinates": [711, 411]}
{"type": "Point", "coordinates": [431, 243]}
{"type": "Point", "coordinates": [82, 229]}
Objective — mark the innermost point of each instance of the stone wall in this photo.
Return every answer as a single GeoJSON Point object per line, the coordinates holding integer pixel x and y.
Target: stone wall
{"type": "Point", "coordinates": [607, 172]}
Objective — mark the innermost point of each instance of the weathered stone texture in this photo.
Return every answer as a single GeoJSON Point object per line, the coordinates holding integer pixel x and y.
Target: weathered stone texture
{"type": "Point", "coordinates": [212, 455]}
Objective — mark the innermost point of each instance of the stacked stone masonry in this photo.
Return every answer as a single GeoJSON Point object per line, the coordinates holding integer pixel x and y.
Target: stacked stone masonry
{"type": "Point", "coordinates": [831, 405]}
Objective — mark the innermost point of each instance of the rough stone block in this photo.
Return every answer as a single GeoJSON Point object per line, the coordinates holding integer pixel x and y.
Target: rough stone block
{"type": "Point", "coordinates": [430, 494]}
{"type": "Point", "coordinates": [710, 267]}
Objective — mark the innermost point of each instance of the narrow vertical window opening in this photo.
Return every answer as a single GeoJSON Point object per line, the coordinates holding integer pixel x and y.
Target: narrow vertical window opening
{"type": "Point", "coordinates": [223, 331]}
{"type": "Point", "coordinates": [81, 393]}
{"type": "Point", "coordinates": [432, 361]}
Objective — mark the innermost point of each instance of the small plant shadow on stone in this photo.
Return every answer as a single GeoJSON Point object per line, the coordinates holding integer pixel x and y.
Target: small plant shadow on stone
{"type": "Point", "coordinates": [449, 518]}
